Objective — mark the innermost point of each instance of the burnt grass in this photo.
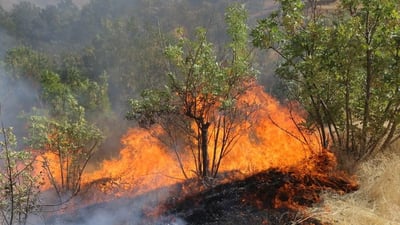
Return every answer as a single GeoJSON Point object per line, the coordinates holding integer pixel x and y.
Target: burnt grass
{"type": "Point", "coordinates": [269, 197]}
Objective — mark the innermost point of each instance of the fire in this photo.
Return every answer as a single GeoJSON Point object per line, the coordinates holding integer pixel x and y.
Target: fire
{"type": "Point", "coordinates": [143, 164]}
{"type": "Point", "coordinates": [47, 166]}
{"type": "Point", "coordinates": [273, 141]}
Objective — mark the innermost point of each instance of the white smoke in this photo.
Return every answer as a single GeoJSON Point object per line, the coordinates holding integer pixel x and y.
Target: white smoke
{"type": "Point", "coordinates": [16, 96]}
{"type": "Point", "coordinates": [127, 211]}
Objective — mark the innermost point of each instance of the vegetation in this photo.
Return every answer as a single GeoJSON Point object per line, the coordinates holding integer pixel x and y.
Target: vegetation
{"type": "Point", "coordinates": [84, 67]}
{"type": "Point", "coordinates": [19, 187]}
{"type": "Point", "coordinates": [342, 67]}
{"type": "Point", "coordinates": [75, 77]}
{"type": "Point", "coordinates": [58, 122]}
{"type": "Point", "coordinates": [377, 200]}
{"type": "Point", "coordinates": [72, 141]}
{"type": "Point", "coordinates": [202, 94]}
{"type": "Point", "coordinates": [63, 131]}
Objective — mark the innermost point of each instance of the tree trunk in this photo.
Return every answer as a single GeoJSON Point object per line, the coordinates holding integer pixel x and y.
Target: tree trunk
{"type": "Point", "coordinates": [204, 148]}
{"type": "Point", "coordinates": [318, 117]}
{"type": "Point", "coordinates": [348, 114]}
{"type": "Point", "coordinates": [368, 81]}
{"type": "Point", "coordinates": [369, 32]}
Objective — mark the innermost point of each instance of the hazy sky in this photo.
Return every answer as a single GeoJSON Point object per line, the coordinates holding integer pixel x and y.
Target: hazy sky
{"type": "Point", "coordinates": [7, 4]}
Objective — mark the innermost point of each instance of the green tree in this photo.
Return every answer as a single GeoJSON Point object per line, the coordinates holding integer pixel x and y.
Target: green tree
{"type": "Point", "coordinates": [201, 98]}
{"type": "Point", "coordinates": [59, 123]}
{"type": "Point", "coordinates": [72, 141]}
{"type": "Point", "coordinates": [123, 41]}
{"type": "Point", "coordinates": [25, 62]}
{"type": "Point", "coordinates": [24, 16]}
{"type": "Point", "coordinates": [344, 67]}
{"type": "Point", "coordinates": [92, 94]}
{"type": "Point", "coordinates": [19, 187]}
{"type": "Point", "coordinates": [63, 131]}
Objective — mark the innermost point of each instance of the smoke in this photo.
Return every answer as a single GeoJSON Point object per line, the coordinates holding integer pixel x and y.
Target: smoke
{"type": "Point", "coordinates": [6, 42]}
{"type": "Point", "coordinates": [16, 96]}
{"type": "Point", "coordinates": [133, 211]}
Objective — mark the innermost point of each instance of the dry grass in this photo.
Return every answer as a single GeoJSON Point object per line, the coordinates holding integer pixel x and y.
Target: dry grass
{"type": "Point", "coordinates": [377, 202]}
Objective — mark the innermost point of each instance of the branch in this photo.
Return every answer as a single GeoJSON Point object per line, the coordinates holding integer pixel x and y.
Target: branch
{"type": "Point", "coordinates": [10, 179]}
{"type": "Point", "coordinates": [286, 131]}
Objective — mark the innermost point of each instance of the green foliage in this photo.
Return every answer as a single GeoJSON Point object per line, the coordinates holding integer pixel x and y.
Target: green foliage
{"type": "Point", "coordinates": [153, 103]}
{"type": "Point", "coordinates": [64, 131]}
{"type": "Point", "coordinates": [18, 185]}
{"type": "Point", "coordinates": [91, 92]}
{"type": "Point", "coordinates": [25, 62]}
{"type": "Point", "coordinates": [126, 53]}
{"type": "Point", "coordinates": [33, 25]}
{"type": "Point", "coordinates": [344, 65]}
{"type": "Point", "coordinates": [124, 39]}
{"type": "Point", "coordinates": [72, 139]}
{"type": "Point", "coordinates": [201, 91]}
{"type": "Point", "coordinates": [199, 72]}
{"type": "Point", "coordinates": [62, 126]}
{"type": "Point", "coordinates": [24, 16]}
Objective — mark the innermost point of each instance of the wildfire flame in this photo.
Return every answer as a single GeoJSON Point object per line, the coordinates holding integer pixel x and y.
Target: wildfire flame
{"type": "Point", "coordinates": [274, 141]}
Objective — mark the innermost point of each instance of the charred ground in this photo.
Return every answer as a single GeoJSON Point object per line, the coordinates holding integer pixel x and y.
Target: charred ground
{"type": "Point", "coordinates": [268, 197]}
{"type": "Point", "coordinates": [260, 199]}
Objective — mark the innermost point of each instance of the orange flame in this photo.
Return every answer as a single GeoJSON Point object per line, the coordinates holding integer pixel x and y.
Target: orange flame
{"type": "Point", "coordinates": [145, 163]}
{"type": "Point", "coordinates": [273, 142]}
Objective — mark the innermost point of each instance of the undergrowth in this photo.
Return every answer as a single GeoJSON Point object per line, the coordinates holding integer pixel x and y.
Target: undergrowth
{"type": "Point", "coordinates": [378, 199]}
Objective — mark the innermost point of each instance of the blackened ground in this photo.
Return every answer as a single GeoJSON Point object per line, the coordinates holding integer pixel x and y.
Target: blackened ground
{"type": "Point", "coordinates": [270, 197]}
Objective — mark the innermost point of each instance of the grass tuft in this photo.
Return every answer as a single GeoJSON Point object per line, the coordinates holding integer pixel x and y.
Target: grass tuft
{"type": "Point", "coordinates": [377, 201]}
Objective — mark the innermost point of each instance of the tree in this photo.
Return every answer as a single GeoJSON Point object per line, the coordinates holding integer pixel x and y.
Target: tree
{"type": "Point", "coordinates": [72, 141]}
{"type": "Point", "coordinates": [120, 42]}
{"type": "Point", "coordinates": [58, 125]}
{"type": "Point", "coordinates": [19, 187]}
{"type": "Point", "coordinates": [343, 67]}
{"type": "Point", "coordinates": [201, 100]}
{"type": "Point", "coordinates": [24, 16]}
{"type": "Point", "coordinates": [63, 132]}
{"type": "Point", "coordinates": [25, 62]}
